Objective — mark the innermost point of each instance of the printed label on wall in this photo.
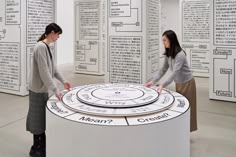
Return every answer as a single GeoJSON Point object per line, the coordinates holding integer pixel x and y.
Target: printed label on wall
{"type": "Point", "coordinates": [10, 66]}
{"type": "Point", "coordinates": [153, 36]}
{"type": "Point", "coordinates": [125, 59]}
{"type": "Point", "coordinates": [133, 51]}
{"type": "Point", "coordinates": [109, 32]}
{"type": "Point", "coordinates": [21, 24]}
{"type": "Point", "coordinates": [223, 54]}
{"type": "Point", "coordinates": [224, 22]}
{"type": "Point", "coordinates": [126, 15]}
{"type": "Point", "coordinates": [196, 34]}
{"type": "Point", "coordinates": [10, 45]}
{"type": "Point", "coordinates": [87, 39]}
{"type": "Point", "coordinates": [13, 12]}
{"type": "Point", "coordinates": [39, 14]}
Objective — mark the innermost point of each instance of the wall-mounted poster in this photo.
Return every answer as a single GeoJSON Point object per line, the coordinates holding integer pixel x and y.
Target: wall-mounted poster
{"type": "Point", "coordinates": [117, 37]}
{"type": "Point", "coordinates": [89, 36]}
{"type": "Point", "coordinates": [21, 24]}
{"type": "Point", "coordinates": [223, 50]}
{"type": "Point", "coordinates": [195, 37]}
{"type": "Point", "coordinates": [133, 40]}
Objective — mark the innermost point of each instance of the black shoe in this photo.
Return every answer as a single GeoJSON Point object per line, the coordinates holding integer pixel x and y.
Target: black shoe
{"type": "Point", "coordinates": [37, 152]}
{"type": "Point", "coordinates": [32, 151]}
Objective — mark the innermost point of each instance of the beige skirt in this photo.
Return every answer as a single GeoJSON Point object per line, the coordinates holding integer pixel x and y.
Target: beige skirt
{"type": "Point", "coordinates": [188, 89]}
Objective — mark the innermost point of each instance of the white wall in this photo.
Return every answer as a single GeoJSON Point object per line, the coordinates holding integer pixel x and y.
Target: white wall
{"type": "Point", "coordinates": [65, 19]}
{"type": "Point", "coordinates": [170, 19]}
{"type": "Point", "coordinates": [170, 16]}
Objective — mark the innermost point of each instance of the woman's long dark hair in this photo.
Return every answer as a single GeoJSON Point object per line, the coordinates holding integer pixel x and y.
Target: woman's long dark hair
{"type": "Point", "coordinates": [52, 27]}
{"type": "Point", "coordinates": [174, 44]}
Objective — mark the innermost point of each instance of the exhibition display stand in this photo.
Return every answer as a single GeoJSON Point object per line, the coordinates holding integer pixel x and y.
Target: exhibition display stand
{"type": "Point", "coordinates": [118, 120]}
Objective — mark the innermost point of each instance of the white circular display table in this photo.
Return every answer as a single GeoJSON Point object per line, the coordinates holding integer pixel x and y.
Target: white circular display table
{"type": "Point", "coordinates": [118, 120]}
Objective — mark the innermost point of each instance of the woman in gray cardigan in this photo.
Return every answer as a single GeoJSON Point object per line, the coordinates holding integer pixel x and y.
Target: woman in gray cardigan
{"type": "Point", "coordinates": [176, 61]}
{"type": "Point", "coordinates": [43, 71]}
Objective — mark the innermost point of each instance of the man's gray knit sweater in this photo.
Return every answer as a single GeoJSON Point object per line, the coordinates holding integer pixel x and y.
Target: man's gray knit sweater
{"type": "Point", "coordinates": [180, 71]}
{"type": "Point", "coordinates": [43, 71]}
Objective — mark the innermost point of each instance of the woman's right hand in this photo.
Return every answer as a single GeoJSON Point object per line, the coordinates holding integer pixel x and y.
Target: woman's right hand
{"type": "Point", "coordinates": [149, 84]}
{"type": "Point", "coordinates": [59, 96]}
{"type": "Point", "coordinates": [67, 85]}
{"type": "Point", "coordinates": [159, 89]}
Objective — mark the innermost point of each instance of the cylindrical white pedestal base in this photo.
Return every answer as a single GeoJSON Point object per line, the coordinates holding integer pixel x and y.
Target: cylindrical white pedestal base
{"type": "Point", "coordinates": [164, 139]}
{"type": "Point", "coordinates": [165, 133]}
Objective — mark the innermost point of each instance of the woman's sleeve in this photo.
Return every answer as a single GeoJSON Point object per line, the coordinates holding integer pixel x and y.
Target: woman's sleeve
{"type": "Point", "coordinates": [162, 71]}
{"type": "Point", "coordinates": [179, 61]}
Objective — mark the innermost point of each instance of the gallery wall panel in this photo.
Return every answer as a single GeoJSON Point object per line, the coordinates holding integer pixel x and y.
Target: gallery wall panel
{"type": "Point", "coordinates": [223, 50]}
{"type": "Point", "coordinates": [21, 24]}
{"type": "Point", "coordinates": [117, 38]}
{"type": "Point", "coordinates": [195, 36]}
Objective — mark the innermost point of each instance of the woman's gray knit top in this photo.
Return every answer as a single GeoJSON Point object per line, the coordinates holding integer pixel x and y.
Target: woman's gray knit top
{"type": "Point", "coordinates": [180, 71]}
{"type": "Point", "coordinates": [43, 70]}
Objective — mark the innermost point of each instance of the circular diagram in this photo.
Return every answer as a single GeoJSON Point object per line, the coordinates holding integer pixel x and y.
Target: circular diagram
{"type": "Point", "coordinates": [117, 95]}
{"type": "Point", "coordinates": [86, 101]}
{"type": "Point", "coordinates": [116, 100]}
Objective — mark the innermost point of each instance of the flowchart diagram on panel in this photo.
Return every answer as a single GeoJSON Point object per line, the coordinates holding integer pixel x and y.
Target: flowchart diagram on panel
{"type": "Point", "coordinates": [88, 60]}
{"type": "Point", "coordinates": [126, 15]}
{"type": "Point", "coordinates": [195, 17]}
{"type": "Point", "coordinates": [10, 39]}
{"type": "Point", "coordinates": [223, 72]}
{"type": "Point", "coordinates": [198, 55]}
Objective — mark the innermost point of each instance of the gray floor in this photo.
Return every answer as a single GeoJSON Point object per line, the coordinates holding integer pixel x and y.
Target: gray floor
{"type": "Point", "coordinates": [216, 136]}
